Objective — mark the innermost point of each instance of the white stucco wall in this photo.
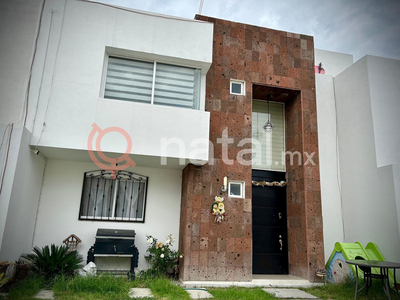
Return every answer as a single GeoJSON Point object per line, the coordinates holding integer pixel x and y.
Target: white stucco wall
{"type": "Point", "coordinates": [384, 82]}
{"type": "Point", "coordinates": [20, 196]}
{"type": "Point", "coordinates": [79, 36]}
{"type": "Point", "coordinates": [15, 143]}
{"type": "Point", "coordinates": [60, 202]}
{"type": "Point", "coordinates": [19, 22]}
{"type": "Point", "coordinates": [329, 163]}
{"type": "Point", "coordinates": [368, 191]}
{"type": "Point", "coordinates": [333, 62]}
{"type": "Point", "coordinates": [396, 180]}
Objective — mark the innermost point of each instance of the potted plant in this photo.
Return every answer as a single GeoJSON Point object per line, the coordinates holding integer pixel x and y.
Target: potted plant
{"type": "Point", "coordinates": [22, 268]}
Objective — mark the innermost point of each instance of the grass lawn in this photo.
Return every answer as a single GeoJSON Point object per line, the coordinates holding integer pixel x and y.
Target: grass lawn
{"type": "Point", "coordinates": [346, 290]}
{"type": "Point", "coordinates": [102, 287]}
{"type": "Point", "coordinates": [109, 288]}
{"type": "Point", "coordinates": [240, 293]}
{"type": "Point", "coordinates": [26, 289]}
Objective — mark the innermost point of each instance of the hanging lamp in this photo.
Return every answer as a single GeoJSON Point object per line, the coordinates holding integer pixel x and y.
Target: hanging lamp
{"type": "Point", "coordinates": [268, 126]}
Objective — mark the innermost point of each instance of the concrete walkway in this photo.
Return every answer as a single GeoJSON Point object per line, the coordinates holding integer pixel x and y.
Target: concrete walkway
{"type": "Point", "coordinates": [45, 294]}
{"type": "Point", "coordinates": [199, 294]}
{"type": "Point", "coordinates": [140, 293]}
{"type": "Point", "coordinates": [273, 281]}
{"type": "Point", "coordinates": [146, 293]}
{"type": "Point", "coordinates": [289, 294]}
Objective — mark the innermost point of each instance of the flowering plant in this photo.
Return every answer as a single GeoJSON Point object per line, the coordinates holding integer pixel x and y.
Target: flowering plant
{"type": "Point", "coordinates": [160, 255]}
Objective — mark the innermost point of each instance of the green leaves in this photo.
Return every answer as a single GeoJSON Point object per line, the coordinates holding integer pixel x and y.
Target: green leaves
{"type": "Point", "coordinates": [160, 255]}
{"type": "Point", "coordinates": [54, 260]}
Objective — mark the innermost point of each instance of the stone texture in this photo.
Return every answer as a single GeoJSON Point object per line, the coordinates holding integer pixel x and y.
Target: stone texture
{"type": "Point", "coordinates": [275, 59]}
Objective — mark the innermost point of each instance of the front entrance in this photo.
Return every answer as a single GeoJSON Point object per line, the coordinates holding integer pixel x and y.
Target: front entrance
{"type": "Point", "coordinates": [270, 250]}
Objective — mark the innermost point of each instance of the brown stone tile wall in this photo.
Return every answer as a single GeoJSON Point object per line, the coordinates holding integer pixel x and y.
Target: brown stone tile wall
{"type": "Point", "coordinates": [266, 57]}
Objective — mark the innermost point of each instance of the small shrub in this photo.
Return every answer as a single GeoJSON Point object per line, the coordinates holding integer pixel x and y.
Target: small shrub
{"type": "Point", "coordinates": [54, 261]}
{"type": "Point", "coordinates": [160, 255]}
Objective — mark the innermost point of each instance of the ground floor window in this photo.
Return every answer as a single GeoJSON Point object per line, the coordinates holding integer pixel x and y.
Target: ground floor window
{"type": "Point", "coordinates": [113, 196]}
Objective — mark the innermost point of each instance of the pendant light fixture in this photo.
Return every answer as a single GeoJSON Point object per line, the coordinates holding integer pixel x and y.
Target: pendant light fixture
{"type": "Point", "coordinates": [268, 126]}
{"type": "Point", "coordinates": [257, 134]}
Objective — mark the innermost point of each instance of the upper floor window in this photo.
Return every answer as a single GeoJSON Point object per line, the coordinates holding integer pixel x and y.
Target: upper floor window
{"type": "Point", "coordinates": [152, 83]}
{"type": "Point", "coordinates": [105, 198]}
{"type": "Point", "coordinates": [268, 147]}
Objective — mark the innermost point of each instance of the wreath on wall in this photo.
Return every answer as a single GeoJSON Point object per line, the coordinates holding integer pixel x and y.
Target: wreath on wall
{"type": "Point", "coordinates": [273, 183]}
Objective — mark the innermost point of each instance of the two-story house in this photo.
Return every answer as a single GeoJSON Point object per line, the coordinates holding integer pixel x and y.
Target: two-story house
{"type": "Point", "coordinates": [123, 119]}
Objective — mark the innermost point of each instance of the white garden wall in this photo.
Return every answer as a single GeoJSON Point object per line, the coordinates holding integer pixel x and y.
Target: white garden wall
{"type": "Point", "coordinates": [357, 112]}
{"type": "Point", "coordinates": [329, 163]}
{"type": "Point", "coordinates": [60, 202]}
{"type": "Point", "coordinates": [384, 82]}
{"type": "Point", "coordinates": [21, 189]}
{"type": "Point", "coordinates": [333, 63]}
{"type": "Point", "coordinates": [368, 191]}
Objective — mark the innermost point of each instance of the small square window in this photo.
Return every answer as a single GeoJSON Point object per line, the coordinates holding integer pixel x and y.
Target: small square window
{"type": "Point", "coordinates": [237, 87]}
{"type": "Point", "coordinates": [236, 189]}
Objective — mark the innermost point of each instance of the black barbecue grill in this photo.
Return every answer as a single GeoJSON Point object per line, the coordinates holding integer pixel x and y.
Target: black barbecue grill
{"type": "Point", "coordinates": [115, 243]}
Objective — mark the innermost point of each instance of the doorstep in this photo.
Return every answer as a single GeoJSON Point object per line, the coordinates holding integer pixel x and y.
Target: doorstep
{"type": "Point", "coordinates": [288, 281]}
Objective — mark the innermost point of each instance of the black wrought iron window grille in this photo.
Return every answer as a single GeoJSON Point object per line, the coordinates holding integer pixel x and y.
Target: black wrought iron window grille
{"type": "Point", "coordinates": [108, 199]}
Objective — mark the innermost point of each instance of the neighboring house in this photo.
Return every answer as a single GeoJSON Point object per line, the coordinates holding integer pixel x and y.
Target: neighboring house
{"type": "Point", "coordinates": [190, 94]}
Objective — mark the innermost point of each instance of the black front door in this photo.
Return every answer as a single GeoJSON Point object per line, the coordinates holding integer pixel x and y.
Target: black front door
{"type": "Point", "coordinates": [270, 251]}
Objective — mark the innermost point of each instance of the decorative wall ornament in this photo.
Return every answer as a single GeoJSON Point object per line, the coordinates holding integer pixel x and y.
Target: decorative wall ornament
{"type": "Point", "coordinates": [218, 209]}
{"type": "Point", "coordinates": [72, 242]}
{"type": "Point", "coordinates": [319, 69]}
{"type": "Point", "coordinates": [273, 183]}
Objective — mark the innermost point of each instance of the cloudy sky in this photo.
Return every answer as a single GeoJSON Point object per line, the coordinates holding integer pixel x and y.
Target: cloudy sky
{"type": "Point", "coordinates": [357, 27]}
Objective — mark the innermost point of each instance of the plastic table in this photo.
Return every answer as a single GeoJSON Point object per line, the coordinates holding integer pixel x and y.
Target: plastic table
{"type": "Point", "coordinates": [384, 267]}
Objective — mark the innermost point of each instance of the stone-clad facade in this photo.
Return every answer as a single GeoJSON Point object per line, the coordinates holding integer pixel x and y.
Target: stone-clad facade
{"type": "Point", "coordinates": [280, 63]}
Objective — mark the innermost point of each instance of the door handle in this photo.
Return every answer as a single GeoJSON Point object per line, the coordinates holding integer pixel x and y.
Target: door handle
{"type": "Point", "coordinates": [280, 242]}
{"type": "Point", "coordinates": [280, 215]}
{"type": "Point", "coordinates": [115, 249]}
